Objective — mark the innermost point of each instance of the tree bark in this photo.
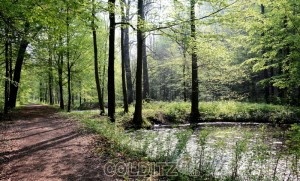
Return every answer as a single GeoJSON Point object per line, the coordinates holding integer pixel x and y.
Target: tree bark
{"type": "Point", "coordinates": [50, 78]}
{"type": "Point", "coordinates": [184, 78]}
{"type": "Point", "coordinates": [14, 86]}
{"type": "Point", "coordinates": [96, 67]}
{"type": "Point", "coordinates": [195, 115]}
{"type": "Point", "coordinates": [137, 118]}
{"type": "Point", "coordinates": [146, 91]}
{"type": "Point", "coordinates": [111, 62]}
{"type": "Point", "coordinates": [6, 89]}
{"type": "Point", "coordinates": [60, 80]}
{"type": "Point", "coordinates": [68, 64]}
{"type": "Point", "coordinates": [124, 89]}
{"type": "Point", "coordinates": [126, 55]}
{"type": "Point", "coordinates": [41, 91]}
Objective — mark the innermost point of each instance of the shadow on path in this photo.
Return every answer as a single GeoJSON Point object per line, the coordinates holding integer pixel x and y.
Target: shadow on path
{"type": "Point", "coordinates": [38, 144]}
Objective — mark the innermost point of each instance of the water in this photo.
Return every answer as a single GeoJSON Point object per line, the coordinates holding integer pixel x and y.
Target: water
{"type": "Point", "coordinates": [247, 152]}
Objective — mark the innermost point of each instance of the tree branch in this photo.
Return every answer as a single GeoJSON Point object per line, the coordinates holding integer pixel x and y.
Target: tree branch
{"type": "Point", "coordinates": [174, 23]}
{"type": "Point", "coordinates": [125, 23]}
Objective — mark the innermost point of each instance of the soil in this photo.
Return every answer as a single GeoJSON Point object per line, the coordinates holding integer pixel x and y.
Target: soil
{"type": "Point", "coordinates": [38, 144]}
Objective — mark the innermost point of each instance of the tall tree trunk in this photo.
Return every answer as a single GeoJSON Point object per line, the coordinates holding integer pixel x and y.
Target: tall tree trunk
{"type": "Point", "coordinates": [272, 88]}
{"type": "Point", "coordinates": [184, 78]}
{"type": "Point", "coordinates": [68, 64]}
{"type": "Point", "coordinates": [46, 93]}
{"type": "Point", "coordinates": [41, 91]}
{"type": "Point", "coordinates": [80, 93]}
{"type": "Point", "coordinates": [124, 89]}
{"type": "Point", "coordinates": [103, 81]}
{"type": "Point", "coordinates": [6, 89]}
{"type": "Point", "coordinates": [18, 68]}
{"type": "Point", "coordinates": [137, 118]}
{"type": "Point", "coordinates": [69, 84]}
{"type": "Point", "coordinates": [126, 55]}
{"type": "Point", "coordinates": [50, 78]}
{"type": "Point", "coordinates": [96, 67]}
{"type": "Point", "coordinates": [14, 86]}
{"type": "Point", "coordinates": [195, 115]}
{"type": "Point", "coordinates": [10, 62]}
{"type": "Point", "coordinates": [146, 92]}
{"type": "Point", "coordinates": [60, 78]}
{"type": "Point", "coordinates": [111, 62]}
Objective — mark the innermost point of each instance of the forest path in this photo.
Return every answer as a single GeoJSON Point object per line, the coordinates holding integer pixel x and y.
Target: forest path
{"type": "Point", "coordinates": [38, 144]}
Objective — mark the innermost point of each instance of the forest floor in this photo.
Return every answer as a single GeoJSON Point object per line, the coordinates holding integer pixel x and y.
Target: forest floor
{"type": "Point", "coordinates": [38, 144]}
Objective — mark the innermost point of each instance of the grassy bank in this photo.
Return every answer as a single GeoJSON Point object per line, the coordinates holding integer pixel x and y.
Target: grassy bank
{"type": "Point", "coordinates": [178, 112]}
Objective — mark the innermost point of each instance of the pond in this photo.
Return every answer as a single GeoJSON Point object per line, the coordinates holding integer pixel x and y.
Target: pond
{"type": "Point", "coordinates": [244, 152]}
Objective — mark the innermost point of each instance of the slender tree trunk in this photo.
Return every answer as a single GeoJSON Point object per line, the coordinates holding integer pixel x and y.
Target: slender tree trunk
{"type": "Point", "coordinates": [10, 62]}
{"type": "Point", "coordinates": [50, 78]}
{"type": "Point", "coordinates": [124, 89]}
{"type": "Point", "coordinates": [126, 55]}
{"type": "Point", "coordinates": [69, 84]}
{"type": "Point", "coordinates": [103, 82]}
{"type": "Point", "coordinates": [96, 67]}
{"type": "Point", "coordinates": [184, 78]}
{"type": "Point", "coordinates": [46, 93]}
{"type": "Point", "coordinates": [6, 89]}
{"type": "Point", "coordinates": [80, 94]}
{"type": "Point", "coordinates": [137, 118]}
{"type": "Point", "coordinates": [195, 115]}
{"type": "Point", "coordinates": [111, 62]}
{"type": "Point", "coordinates": [146, 91]}
{"type": "Point", "coordinates": [272, 91]}
{"type": "Point", "coordinates": [60, 80]}
{"type": "Point", "coordinates": [41, 91]}
{"type": "Point", "coordinates": [68, 64]}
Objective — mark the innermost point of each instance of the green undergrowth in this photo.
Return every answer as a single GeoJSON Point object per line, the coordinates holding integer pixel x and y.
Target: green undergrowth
{"type": "Point", "coordinates": [178, 112]}
{"type": "Point", "coordinates": [226, 111]}
{"type": "Point", "coordinates": [113, 133]}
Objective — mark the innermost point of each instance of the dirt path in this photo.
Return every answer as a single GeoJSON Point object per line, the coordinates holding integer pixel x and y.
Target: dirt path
{"type": "Point", "coordinates": [40, 145]}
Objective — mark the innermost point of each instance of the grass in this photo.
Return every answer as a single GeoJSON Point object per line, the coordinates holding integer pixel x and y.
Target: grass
{"type": "Point", "coordinates": [113, 133]}
{"type": "Point", "coordinates": [178, 112]}
{"type": "Point", "coordinates": [225, 111]}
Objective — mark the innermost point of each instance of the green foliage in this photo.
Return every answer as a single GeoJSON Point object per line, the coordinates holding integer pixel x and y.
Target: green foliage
{"type": "Point", "coordinates": [294, 139]}
{"type": "Point", "coordinates": [222, 111]}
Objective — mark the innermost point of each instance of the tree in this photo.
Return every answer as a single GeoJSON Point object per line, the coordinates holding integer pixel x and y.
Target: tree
{"type": "Point", "coordinates": [146, 90]}
{"type": "Point", "coordinates": [111, 62]}
{"type": "Point", "coordinates": [137, 118]}
{"type": "Point", "coordinates": [195, 87]}
{"type": "Point", "coordinates": [18, 67]}
{"type": "Point", "coordinates": [60, 65]}
{"type": "Point", "coordinates": [125, 49]}
{"type": "Point", "coordinates": [96, 67]}
{"type": "Point", "coordinates": [50, 74]}
{"type": "Point", "coordinates": [7, 70]}
{"type": "Point", "coordinates": [125, 57]}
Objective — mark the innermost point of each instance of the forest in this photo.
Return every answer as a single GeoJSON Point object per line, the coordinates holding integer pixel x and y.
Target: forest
{"type": "Point", "coordinates": [173, 81]}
